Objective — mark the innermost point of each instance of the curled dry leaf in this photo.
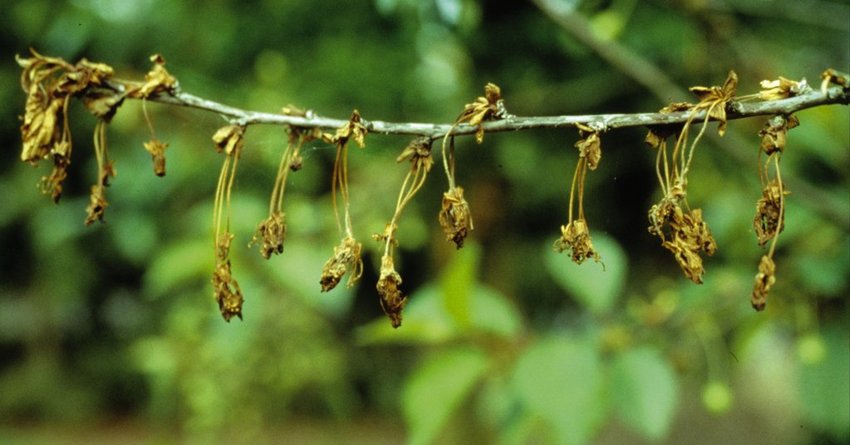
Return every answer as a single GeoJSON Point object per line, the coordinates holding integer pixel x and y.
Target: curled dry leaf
{"type": "Point", "coordinates": [346, 259]}
{"type": "Point", "coordinates": [391, 298]}
{"type": "Point", "coordinates": [769, 219]}
{"type": "Point", "coordinates": [455, 217]}
{"type": "Point", "coordinates": [575, 238]}
{"type": "Point", "coordinates": [764, 280]}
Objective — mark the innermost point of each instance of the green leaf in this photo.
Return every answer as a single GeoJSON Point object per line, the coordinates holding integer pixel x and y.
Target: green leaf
{"type": "Point", "coordinates": [594, 286]}
{"type": "Point", "coordinates": [178, 264]}
{"type": "Point", "coordinates": [645, 391]}
{"type": "Point", "coordinates": [492, 313]}
{"type": "Point", "coordinates": [825, 386]}
{"type": "Point", "coordinates": [458, 280]}
{"type": "Point", "coordinates": [560, 380]}
{"type": "Point", "coordinates": [437, 388]}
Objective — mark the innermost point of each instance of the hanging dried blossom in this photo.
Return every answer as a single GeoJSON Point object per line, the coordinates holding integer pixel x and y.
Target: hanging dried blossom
{"type": "Point", "coordinates": [391, 298]}
{"type": "Point", "coordinates": [575, 238]}
{"type": "Point", "coordinates": [767, 222]}
{"type": "Point", "coordinates": [346, 259]}
{"type": "Point", "coordinates": [455, 217]}
{"type": "Point", "coordinates": [775, 132]}
{"type": "Point", "coordinates": [765, 279]}
{"type": "Point", "coordinates": [228, 140]}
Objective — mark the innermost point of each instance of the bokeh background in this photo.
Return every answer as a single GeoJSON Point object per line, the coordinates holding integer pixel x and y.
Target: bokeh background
{"type": "Point", "coordinates": [109, 333]}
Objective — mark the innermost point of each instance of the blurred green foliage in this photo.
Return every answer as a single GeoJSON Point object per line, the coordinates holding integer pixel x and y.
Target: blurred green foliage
{"type": "Point", "coordinates": [503, 341]}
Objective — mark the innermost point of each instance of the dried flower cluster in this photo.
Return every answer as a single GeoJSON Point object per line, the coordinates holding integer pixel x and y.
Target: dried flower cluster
{"type": "Point", "coordinates": [50, 83]}
{"type": "Point", "coordinates": [575, 236]}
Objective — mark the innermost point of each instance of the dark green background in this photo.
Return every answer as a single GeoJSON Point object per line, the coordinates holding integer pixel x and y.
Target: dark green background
{"type": "Point", "coordinates": [109, 333]}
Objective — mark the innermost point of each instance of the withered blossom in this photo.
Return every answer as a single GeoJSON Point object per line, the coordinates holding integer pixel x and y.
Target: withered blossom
{"type": "Point", "coordinates": [575, 238]}
{"type": "Point", "coordinates": [833, 76]}
{"type": "Point", "coordinates": [455, 217]}
{"type": "Point", "coordinates": [391, 298]}
{"type": "Point", "coordinates": [775, 132]}
{"type": "Point", "coordinates": [157, 80]}
{"type": "Point", "coordinates": [97, 205]}
{"type": "Point", "coordinates": [589, 146]}
{"type": "Point", "coordinates": [226, 289]}
{"type": "Point", "coordinates": [764, 280]}
{"type": "Point", "coordinates": [272, 232]}
{"type": "Point", "coordinates": [782, 88]}
{"type": "Point", "coordinates": [685, 234]}
{"type": "Point", "coordinates": [769, 219]}
{"type": "Point", "coordinates": [229, 139]}
{"type": "Point", "coordinates": [346, 259]}
{"type": "Point", "coordinates": [156, 149]}
{"type": "Point", "coordinates": [714, 99]}
{"type": "Point", "coordinates": [490, 106]}
{"type": "Point", "coordinates": [354, 129]}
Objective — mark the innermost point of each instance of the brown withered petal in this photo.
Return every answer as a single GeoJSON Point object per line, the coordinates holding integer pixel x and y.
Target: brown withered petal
{"type": "Point", "coordinates": [391, 298]}
{"type": "Point", "coordinates": [590, 147]}
{"type": "Point", "coordinates": [487, 107]}
{"type": "Point", "coordinates": [768, 211]}
{"type": "Point", "coordinates": [689, 260]}
{"type": "Point", "coordinates": [715, 98]}
{"type": "Point", "coordinates": [229, 139]}
{"type": "Point", "coordinates": [418, 151]}
{"type": "Point", "coordinates": [226, 292]}
{"type": "Point", "coordinates": [346, 258]}
{"type": "Point", "coordinates": [97, 204]}
{"type": "Point", "coordinates": [781, 88]}
{"type": "Point", "coordinates": [833, 76]}
{"type": "Point", "coordinates": [575, 237]}
{"type": "Point", "coordinates": [764, 280]}
{"type": "Point", "coordinates": [157, 80]}
{"type": "Point", "coordinates": [272, 232]}
{"type": "Point", "coordinates": [354, 128]}
{"type": "Point", "coordinates": [40, 129]}
{"type": "Point", "coordinates": [455, 217]}
{"type": "Point", "coordinates": [156, 149]}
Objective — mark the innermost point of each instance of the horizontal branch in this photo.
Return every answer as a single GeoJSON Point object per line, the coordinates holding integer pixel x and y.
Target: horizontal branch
{"type": "Point", "coordinates": [602, 122]}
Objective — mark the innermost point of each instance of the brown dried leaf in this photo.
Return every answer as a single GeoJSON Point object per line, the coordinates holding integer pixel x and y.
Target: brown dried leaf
{"type": "Point", "coordinates": [391, 298]}
{"type": "Point", "coordinates": [455, 217]}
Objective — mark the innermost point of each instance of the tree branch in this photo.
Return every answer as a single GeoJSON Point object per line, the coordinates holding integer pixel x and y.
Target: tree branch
{"type": "Point", "coordinates": [602, 122]}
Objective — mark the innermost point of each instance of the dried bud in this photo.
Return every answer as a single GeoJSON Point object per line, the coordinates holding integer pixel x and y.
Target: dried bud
{"type": "Point", "coordinates": [346, 258]}
{"type": "Point", "coordinates": [391, 298]}
{"type": "Point", "coordinates": [765, 279]}
{"type": "Point", "coordinates": [157, 150]}
{"type": "Point", "coordinates": [575, 237]}
{"type": "Point", "coordinates": [272, 231]}
{"type": "Point", "coordinates": [455, 217]}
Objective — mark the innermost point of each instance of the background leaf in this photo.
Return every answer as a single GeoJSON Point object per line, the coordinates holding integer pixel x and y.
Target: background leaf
{"type": "Point", "coordinates": [432, 394]}
{"type": "Point", "coordinates": [595, 287]}
{"type": "Point", "coordinates": [645, 391]}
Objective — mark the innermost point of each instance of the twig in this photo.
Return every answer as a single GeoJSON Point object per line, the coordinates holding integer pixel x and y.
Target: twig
{"type": "Point", "coordinates": [602, 122]}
